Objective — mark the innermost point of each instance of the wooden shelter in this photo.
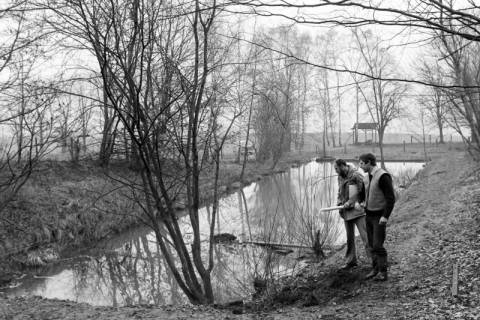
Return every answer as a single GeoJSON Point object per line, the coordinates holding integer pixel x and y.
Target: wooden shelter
{"type": "Point", "coordinates": [367, 127]}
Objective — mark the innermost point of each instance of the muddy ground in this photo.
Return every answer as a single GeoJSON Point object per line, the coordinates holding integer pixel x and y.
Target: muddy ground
{"type": "Point", "coordinates": [435, 226]}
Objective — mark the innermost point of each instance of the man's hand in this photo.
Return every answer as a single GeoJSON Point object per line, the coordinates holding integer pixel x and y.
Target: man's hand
{"type": "Point", "coordinates": [347, 205]}
{"type": "Point", "coordinates": [358, 206]}
{"type": "Point", "coordinates": [383, 221]}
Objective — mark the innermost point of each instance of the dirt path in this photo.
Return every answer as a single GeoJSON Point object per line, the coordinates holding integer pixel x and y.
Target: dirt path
{"type": "Point", "coordinates": [433, 228]}
{"type": "Point", "coordinates": [435, 225]}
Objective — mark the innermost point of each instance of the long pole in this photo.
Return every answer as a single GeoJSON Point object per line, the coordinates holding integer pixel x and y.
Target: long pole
{"type": "Point", "coordinates": [331, 208]}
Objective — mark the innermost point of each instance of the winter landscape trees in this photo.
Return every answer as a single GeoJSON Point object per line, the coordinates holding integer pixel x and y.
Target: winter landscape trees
{"type": "Point", "coordinates": [171, 87]}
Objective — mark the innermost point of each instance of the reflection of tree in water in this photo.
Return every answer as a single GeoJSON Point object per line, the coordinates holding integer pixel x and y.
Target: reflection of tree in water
{"type": "Point", "coordinates": [136, 274]}
{"type": "Point", "coordinates": [285, 207]}
{"type": "Point", "coordinates": [282, 209]}
{"type": "Point", "coordinates": [230, 275]}
{"type": "Point", "coordinates": [81, 276]}
{"type": "Point", "coordinates": [236, 266]}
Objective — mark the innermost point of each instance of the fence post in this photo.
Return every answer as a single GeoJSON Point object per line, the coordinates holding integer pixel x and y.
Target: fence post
{"type": "Point", "coordinates": [404, 146]}
{"type": "Point", "coordinates": [411, 139]}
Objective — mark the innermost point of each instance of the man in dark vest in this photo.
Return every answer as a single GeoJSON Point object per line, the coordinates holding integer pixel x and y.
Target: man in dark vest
{"type": "Point", "coordinates": [350, 194]}
{"type": "Point", "coordinates": [379, 202]}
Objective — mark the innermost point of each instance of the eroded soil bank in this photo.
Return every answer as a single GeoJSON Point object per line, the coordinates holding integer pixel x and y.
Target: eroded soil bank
{"type": "Point", "coordinates": [434, 227]}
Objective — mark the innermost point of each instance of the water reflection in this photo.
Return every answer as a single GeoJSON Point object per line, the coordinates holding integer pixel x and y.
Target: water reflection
{"type": "Point", "coordinates": [280, 209]}
{"type": "Point", "coordinates": [284, 208]}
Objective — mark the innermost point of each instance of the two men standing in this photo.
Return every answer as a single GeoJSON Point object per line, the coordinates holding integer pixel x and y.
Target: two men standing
{"type": "Point", "coordinates": [376, 191]}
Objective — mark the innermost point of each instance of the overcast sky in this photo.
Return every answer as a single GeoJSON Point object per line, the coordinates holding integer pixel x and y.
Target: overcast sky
{"type": "Point", "coordinates": [406, 45]}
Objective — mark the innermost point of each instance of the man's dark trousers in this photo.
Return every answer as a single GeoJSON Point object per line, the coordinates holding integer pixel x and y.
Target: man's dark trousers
{"type": "Point", "coordinates": [376, 237]}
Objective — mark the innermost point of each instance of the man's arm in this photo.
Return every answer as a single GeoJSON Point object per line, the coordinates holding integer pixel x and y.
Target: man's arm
{"type": "Point", "coordinates": [386, 185]}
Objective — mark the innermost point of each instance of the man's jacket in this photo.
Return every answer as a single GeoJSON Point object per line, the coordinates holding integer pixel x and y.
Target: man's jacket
{"type": "Point", "coordinates": [355, 178]}
{"type": "Point", "coordinates": [379, 193]}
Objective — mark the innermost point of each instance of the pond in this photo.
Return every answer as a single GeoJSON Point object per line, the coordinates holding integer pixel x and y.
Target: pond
{"type": "Point", "coordinates": [283, 208]}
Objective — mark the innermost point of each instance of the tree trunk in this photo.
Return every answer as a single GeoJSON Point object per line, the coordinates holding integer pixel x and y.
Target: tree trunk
{"type": "Point", "coordinates": [108, 134]}
{"type": "Point", "coordinates": [332, 132]}
{"type": "Point", "coordinates": [22, 116]}
{"type": "Point", "coordinates": [380, 144]}
{"type": "Point", "coordinates": [247, 137]}
{"type": "Point", "coordinates": [440, 129]}
{"type": "Point", "coordinates": [339, 114]}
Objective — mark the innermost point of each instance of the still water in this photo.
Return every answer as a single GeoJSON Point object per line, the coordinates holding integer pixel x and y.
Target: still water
{"type": "Point", "coordinates": [283, 208]}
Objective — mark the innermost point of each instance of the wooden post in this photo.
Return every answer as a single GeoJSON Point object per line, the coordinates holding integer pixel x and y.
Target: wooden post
{"type": "Point", "coordinates": [411, 139]}
{"type": "Point", "coordinates": [404, 146]}
{"type": "Point", "coordinates": [429, 139]}
{"type": "Point", "coordinates": [455, 280]}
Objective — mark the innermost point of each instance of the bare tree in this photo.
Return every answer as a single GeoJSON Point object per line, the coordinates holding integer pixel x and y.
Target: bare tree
{"type": "Point", "coordinates": [246, 94]}
{"type": "Point", "coordinates": [302, 48]}
{"type": "Point", "coordinates": [435, 100]}
{"type": "Point", "coordinates": [460, 56]}
{"type": "Point", "coordinates": [383, 98]}
{"type": "Point", "coordinates": [157, 61]}
{"type": "Point", "coordinates": [109, 132]}
{"type": "Point", "coordinates": [326, 55]}
{"type": "Point", "coordinates": [86, 112]}
{"type": "Point", "coordinates": [26, 121]}
{"type": "Point", "coordinates": [19, 160]}
{"type": "Point", "coordinates": [282, 94]}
